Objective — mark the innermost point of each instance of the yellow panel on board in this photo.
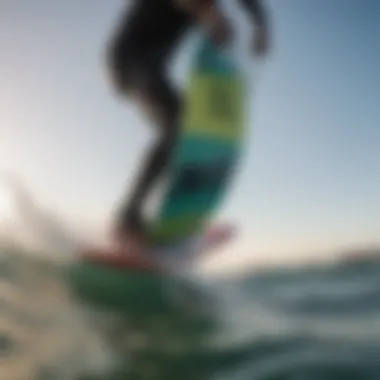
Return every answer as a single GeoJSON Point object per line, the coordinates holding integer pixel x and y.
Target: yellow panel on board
{"type": "Point", "coordinates": [216, 107]}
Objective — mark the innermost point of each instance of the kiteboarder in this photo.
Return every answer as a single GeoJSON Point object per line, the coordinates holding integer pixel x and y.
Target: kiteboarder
{"type": "Point", "coordinates": [138, 54]}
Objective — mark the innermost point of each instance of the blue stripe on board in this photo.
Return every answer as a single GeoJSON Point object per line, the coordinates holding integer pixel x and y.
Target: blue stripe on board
{"type": "Point", "coordinates": [200, 149]}
{"type": "Point", "coordinates": [192, 203]}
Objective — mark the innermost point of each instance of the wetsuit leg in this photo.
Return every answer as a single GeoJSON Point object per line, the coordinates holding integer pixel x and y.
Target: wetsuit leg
{"type": "Point", "coordinates": [163, 103]}
{"type": "Point", "coordinates": [138, 58]}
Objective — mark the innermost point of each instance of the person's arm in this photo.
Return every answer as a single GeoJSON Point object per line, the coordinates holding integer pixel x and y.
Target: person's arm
{"type": "Point", "coordinates": [256, 11]}
{"type": "Point", "coordinates": [259, 17]}
{"type": "Point", "coordinates": [210, 16]}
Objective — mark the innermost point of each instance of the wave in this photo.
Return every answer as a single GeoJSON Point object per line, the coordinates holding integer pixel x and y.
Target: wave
{"type": "Point", "coordinates": [311, 323]}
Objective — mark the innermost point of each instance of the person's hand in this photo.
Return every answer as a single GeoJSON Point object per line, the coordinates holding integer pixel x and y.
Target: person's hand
{"type": "Point", "coordinates": [216, 25]}
{"type": "Point", "coordinates": [261, 42]}
{"type": "Point", "coordinates": [220, 30]}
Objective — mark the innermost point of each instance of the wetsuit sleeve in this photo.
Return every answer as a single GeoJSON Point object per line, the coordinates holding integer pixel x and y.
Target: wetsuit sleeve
{"type": "Point", "coordinates": [256, 10]}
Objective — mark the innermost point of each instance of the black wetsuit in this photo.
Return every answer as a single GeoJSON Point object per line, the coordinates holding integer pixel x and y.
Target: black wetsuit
{"type": "Point", "coordinates": [150, 31]}
{"type": "Point", "coordinates": [148, 34]}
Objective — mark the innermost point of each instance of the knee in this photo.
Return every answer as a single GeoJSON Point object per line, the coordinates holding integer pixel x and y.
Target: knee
{"type": "Point", "coordinates": [166, 141]}
{"type": "Point", "coordinates": [168, 103]}
{"type": "Point", "coordinates": [119, 65]}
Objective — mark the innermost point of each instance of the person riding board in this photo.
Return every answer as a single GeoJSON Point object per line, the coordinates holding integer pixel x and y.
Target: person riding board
{"type": "Point", "coordinates": [147, 35]}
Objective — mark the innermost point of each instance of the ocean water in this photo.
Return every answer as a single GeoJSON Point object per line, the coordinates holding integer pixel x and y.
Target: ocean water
{"type": "Point", "coordinates": [317, 323]}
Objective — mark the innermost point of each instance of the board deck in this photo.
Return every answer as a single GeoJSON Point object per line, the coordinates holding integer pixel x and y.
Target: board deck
{"type": "Point", "coordinates": [213, 238]}
{"type": "Point", "coordinates": [208, 148]}
{"type": "Point", "coordinates": [105, 257]}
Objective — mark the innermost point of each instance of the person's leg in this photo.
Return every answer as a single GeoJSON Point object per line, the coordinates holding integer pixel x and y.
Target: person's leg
{"type": "Point", "coordinates": [158, 98]}
{"type": "Point", "coordinates": [142, 76]}
{"type": "Point", "coordinates": [145, 41]}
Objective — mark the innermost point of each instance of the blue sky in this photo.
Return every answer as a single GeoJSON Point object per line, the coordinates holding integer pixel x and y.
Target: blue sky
{"type": "Point", "coordinates": [310, 180]}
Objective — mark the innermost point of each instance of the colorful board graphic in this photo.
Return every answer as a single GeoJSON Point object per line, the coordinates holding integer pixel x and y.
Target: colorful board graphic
{"type": "Point", "coordinates": [208, 148]}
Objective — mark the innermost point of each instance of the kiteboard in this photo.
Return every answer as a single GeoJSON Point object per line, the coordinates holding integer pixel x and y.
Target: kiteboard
{"type": "Point", "coordinates": [208, 148]}
{"type": "Point", "coordinates": [120, 282]}
{"type": "Point", "coordinates": [203, 164]}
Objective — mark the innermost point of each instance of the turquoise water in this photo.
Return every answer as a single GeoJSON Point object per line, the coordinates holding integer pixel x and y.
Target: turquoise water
{"type": "Point", "coordinates": [311, 323]}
